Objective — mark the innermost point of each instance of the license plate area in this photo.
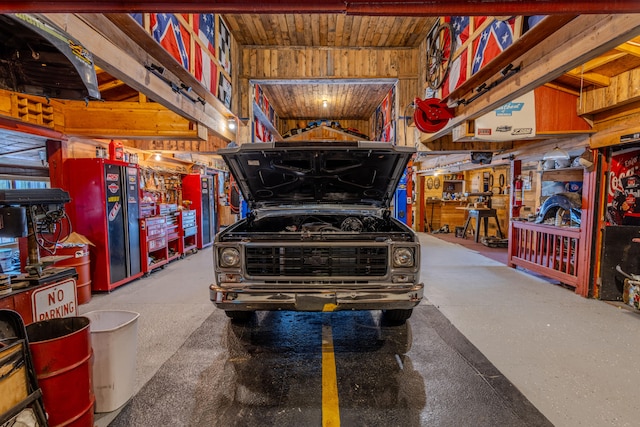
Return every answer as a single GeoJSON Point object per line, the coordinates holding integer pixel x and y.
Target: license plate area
{"type": "Point", "coordinates": [316, 302]}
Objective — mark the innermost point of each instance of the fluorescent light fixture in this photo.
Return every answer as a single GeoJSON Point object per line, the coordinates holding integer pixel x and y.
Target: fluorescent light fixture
{"type": "Point", "coordinates": [555, 154]}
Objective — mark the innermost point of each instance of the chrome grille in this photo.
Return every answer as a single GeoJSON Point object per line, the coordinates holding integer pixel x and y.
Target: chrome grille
{"type": "Point", "coordinates": [316, 261]}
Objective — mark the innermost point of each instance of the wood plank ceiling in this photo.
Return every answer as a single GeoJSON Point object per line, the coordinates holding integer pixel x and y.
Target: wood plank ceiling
{"type": "Point", "coordinates": [328, 30]}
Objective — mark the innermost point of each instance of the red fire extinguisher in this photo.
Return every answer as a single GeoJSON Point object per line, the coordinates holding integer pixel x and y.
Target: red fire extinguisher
{"type": "Point", "coordinates": [517, 196]}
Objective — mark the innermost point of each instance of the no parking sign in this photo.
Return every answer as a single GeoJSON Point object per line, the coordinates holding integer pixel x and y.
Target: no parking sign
{"type": "Point", "coordinates": [55, 300]}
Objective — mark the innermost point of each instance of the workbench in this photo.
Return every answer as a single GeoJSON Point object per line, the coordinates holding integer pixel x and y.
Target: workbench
{"type": "Point", "coordinates": [480, 214]}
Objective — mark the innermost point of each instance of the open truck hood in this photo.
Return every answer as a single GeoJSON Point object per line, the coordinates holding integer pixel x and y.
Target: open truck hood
{"type": "Point", "coordinates": [299, 173]}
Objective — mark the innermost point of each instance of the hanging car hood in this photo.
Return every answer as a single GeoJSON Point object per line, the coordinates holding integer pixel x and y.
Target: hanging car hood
{"type": "Point", "coordinates": [285, 173]}
{"type": "Point", "coordinates": [38, 59]}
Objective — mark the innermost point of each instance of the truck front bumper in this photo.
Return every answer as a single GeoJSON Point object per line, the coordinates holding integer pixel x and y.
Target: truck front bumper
{"type": "Point", "coordinates": [379, 298]}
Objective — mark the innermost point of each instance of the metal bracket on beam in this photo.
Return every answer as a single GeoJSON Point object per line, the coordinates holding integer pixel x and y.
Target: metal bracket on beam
{"type": "Point", "coordinates": [506, 72]}
{"type": "Point", "coordinates": [182, 88]}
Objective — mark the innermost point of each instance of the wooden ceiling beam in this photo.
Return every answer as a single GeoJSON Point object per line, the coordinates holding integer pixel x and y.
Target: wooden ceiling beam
{"type": "Point", "coordinates": [590, 78]}
{"type": "Point", "coordinates": [598, 62]}
{"type": "Point", "coordinates": [114, 84]}
{"type": "Point", "coordinates": [581, 40]}
{"type": "Point", "coordinates": [631, 48]}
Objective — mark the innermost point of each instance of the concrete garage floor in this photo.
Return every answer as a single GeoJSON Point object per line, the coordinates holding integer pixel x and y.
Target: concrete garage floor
{"type": "Point", "coordinates": [488, 346]}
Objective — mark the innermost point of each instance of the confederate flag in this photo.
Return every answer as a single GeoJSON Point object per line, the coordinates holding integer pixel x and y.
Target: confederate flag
{"type": "Point", "coordinates": [167, 31]}
{"type": "Point", "coordinates": [493, 40]}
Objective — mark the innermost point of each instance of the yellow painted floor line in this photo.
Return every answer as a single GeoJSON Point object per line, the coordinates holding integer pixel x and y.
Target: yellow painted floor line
{"type": "Point", "coordinates": [330, 404]}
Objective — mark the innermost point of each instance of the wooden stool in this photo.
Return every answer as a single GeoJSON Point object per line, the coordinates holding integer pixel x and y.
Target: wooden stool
{"type": "Point", "coordinates": [483, 214]}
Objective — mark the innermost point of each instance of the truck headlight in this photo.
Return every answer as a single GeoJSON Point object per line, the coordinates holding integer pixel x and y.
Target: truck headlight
{"type": "Point", "coordinates": [229, 257]}
{"type": "Point", "coordinates": [403, 257]}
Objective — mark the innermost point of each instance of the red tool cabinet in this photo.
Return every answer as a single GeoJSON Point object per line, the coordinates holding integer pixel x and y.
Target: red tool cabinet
{"type": "Point", "coordinates": [153, 236]}
{"type": "Point", "coordinates": [172, 218]}
{"type": "Point", "coordinates": [188, 232]}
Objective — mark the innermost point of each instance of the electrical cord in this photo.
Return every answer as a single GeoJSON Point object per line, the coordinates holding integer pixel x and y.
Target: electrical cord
{"type": "Point", "coordinates": [47, 223]}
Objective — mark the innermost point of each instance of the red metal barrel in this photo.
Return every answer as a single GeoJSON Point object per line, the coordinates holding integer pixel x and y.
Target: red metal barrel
{"type": "Point", "coordinates": [61, 352]}
{"type": "Point", "coordinates": [79, 254]}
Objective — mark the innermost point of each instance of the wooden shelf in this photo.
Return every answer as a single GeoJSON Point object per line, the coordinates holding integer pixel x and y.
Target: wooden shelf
{"type": "Point", "coordinates": [562, 175]}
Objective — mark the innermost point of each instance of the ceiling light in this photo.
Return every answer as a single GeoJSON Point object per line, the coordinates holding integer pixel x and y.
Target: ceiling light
{"type": "Point", "coordinates": [231, 123]}
{"type": "Point", "coordinates": [157, 156]}
{"type": "Point", "coordinates": [325, 103]}
{"type": "Point", "coordinates": [555, 154]}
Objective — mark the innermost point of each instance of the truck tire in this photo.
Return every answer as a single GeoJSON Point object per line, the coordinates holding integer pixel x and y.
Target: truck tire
{"type": "Point", "coordinates": [398, 316]}
{"type": "Point", "coordinates": [239, 316]}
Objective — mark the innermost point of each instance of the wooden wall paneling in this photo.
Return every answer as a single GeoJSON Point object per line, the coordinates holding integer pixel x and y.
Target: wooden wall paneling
{"type": "Point", "coordinates": [374, 65]}
{"type": "Point", "coordinates": [249, 62]}
{"type": "Point", "coordinates": [622, 90]}
{"type": "Point", "coordinates": [406, 90]}
{"type": "Point", "coordinates": [82, 148]}
{"type": "Point", "coordinates": [244, 98]}
{"type": "Point", "coordinates": [420, 64]}
{"type": "Point", "coordinates": [235, 74]}
{"type": "Point", "coordinates": [361, 125]}
{"type": "Point", "coordinates": [312, 63]}
{"type": "Point", "coordinates": [275, 63]}
{"type": "Point", "coordinates": [362, 68]}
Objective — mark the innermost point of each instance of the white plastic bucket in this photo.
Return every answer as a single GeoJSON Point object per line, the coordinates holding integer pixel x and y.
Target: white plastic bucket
{"type": "Point", "coordinates": [114, 338]}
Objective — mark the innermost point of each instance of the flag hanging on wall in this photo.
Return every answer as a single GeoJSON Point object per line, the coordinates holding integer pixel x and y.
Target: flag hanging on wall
{"type": "Point", "coordinates": [167, 30]}
{"type": "Point", "coordinates": [224, 47]}
{"type": "Point", "coordinates": [205, 69]}
{"type": "Point", "coordinates": [138, 18]}
{"type": "Point", "coordinates": [384, 123]}
{"type": "Point", "coordinates": [491, 42]}
{"type": "Point", "coordinates": [204, 25]}
{"type": "Point", "coordinates": [460, 25]}
{"type": "Point", "coordinates": [224, 90]}
{"type": "Point", "coordinates": [457, 74]}
{"type": "Point", "coordinates": [458, 70]}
